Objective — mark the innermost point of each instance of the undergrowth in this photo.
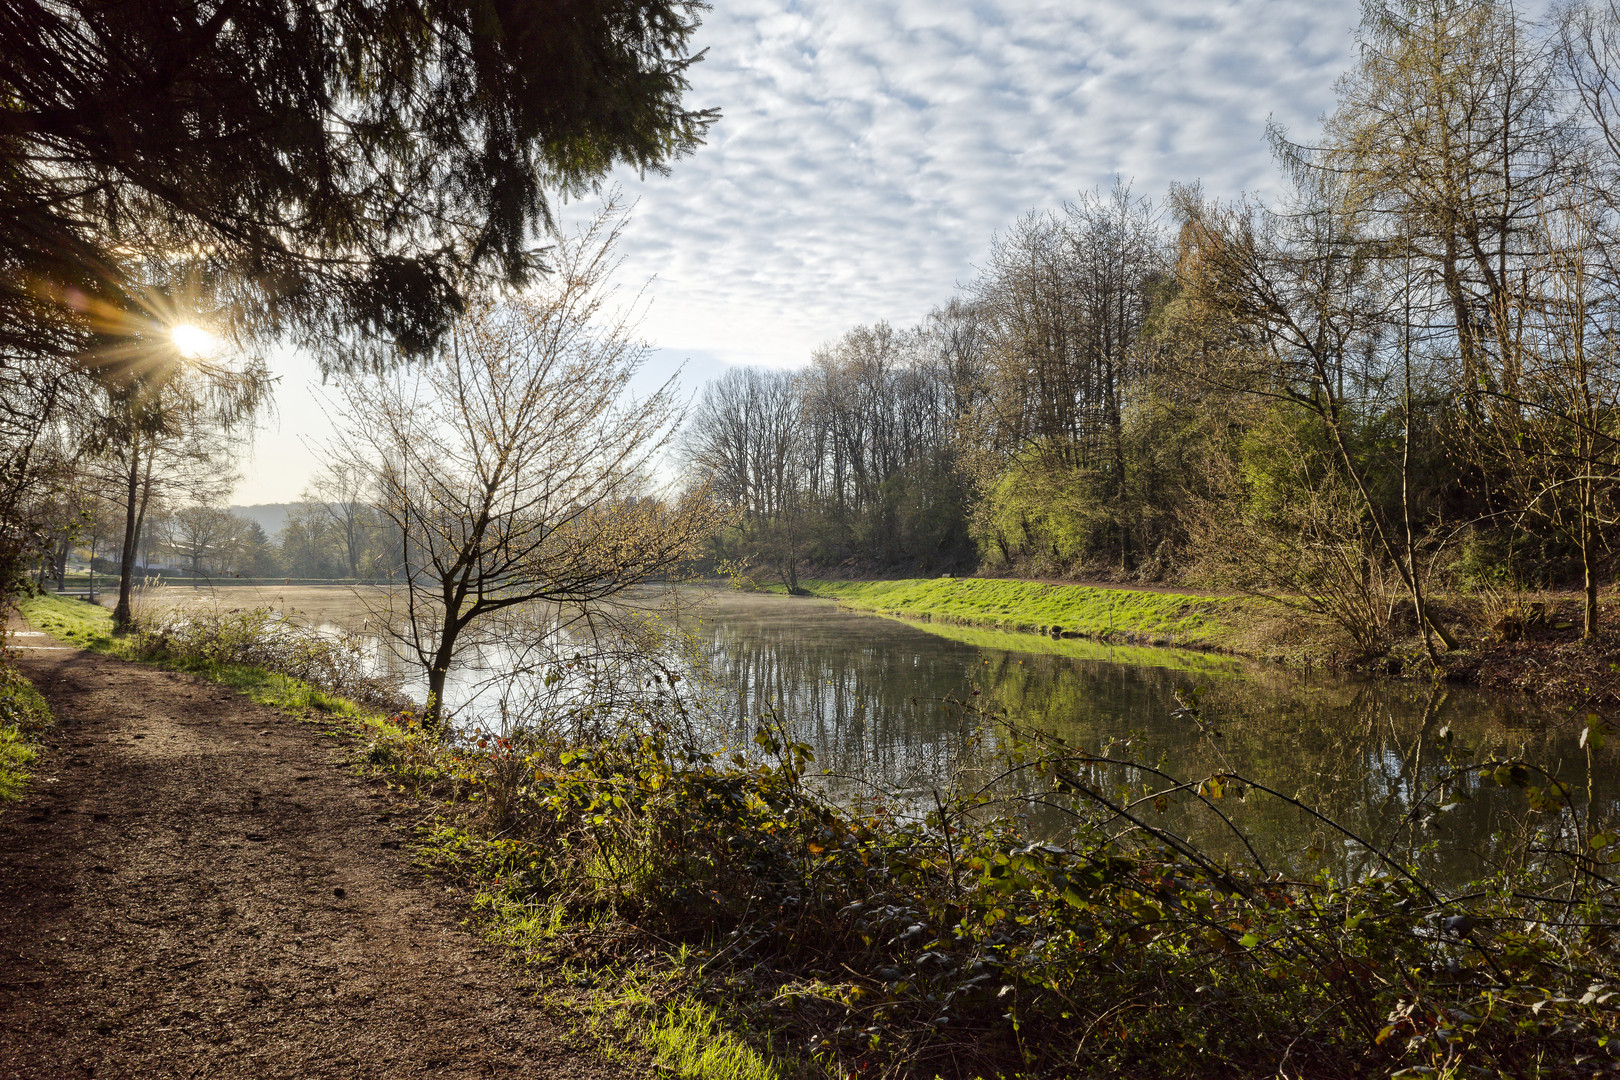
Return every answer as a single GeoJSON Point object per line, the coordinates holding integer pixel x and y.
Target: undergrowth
{"type": "Point", "coordinates": [953, 943]}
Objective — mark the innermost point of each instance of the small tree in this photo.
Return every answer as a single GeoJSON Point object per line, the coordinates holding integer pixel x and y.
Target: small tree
{"type": "Point", "coordinates": [203, 537]}
{"type": "Point", "coordinates": [512, 469]}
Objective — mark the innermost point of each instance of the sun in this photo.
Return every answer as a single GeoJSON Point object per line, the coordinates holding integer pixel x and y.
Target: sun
{"type": "Point", "coordinates": [193, 341]}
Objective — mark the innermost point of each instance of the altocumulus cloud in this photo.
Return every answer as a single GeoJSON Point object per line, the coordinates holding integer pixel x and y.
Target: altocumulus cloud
{"type": "Point", "coordinates": [870, 149]}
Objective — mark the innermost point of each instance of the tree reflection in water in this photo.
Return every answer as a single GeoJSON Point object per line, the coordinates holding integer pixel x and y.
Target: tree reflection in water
{"type": "Point", "coordinates": [882, 703]}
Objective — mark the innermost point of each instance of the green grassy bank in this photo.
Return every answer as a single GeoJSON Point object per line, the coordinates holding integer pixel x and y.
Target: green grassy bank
{"type": "Point", "coordinates": [23, 716]}
{"type": "Point", "coordinates": [1182, 620]}
{"type": "Point", "coordinates": [1169, 659]}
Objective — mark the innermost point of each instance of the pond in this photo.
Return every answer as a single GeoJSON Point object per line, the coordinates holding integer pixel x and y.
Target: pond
{"type": "Point", "coordinates": [896, 709]}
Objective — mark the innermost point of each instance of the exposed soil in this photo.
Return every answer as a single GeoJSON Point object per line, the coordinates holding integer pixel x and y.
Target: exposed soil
{"type": "Point", "coordinates": [198, 886]}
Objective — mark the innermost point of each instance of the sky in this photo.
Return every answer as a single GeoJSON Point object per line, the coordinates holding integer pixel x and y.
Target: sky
{"type": "Point", "coordinates": [869, 151]}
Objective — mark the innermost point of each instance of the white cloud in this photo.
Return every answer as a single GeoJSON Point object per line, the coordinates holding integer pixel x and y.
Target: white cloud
{"type": "Point", "coordinates": [870, 149]}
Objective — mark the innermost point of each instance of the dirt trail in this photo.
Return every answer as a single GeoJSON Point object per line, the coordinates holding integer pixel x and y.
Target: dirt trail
{"type": "Point", "coordinates": [197, 886]}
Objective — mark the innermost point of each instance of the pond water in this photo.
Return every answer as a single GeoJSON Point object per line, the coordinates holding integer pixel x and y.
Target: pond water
{"type": "Point", "coordinates": [899, 708]}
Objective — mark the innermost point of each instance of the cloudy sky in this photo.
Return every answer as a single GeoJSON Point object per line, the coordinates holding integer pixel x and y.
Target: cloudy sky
{"type": "Point", "coordinates": [871, 149]}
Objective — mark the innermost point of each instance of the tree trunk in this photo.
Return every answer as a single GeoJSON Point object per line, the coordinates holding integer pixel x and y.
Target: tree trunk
{"type": "Point", "coordinates": [1588, 562]}
{"type": "Point", "coordinates": [435, 702]}
{"type": "Point", "coordinates": [126, 564]}
{"type": "Point", "coordinates": [437, 674]}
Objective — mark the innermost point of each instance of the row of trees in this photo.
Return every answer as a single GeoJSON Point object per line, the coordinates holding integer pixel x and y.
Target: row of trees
{"type": "Point", "coordinates": [1404, 368]}
{"type": "Point", "coordinates": [854, 457]}
{"type": "Point", "coordinates": [318, 539]}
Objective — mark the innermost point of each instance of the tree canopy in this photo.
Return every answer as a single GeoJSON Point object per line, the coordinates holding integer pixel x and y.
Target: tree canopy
{"type": "Point", "coordinates": [341, 172]}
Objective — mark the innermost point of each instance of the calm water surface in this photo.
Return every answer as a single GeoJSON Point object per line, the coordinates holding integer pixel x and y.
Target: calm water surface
{"type": "Point", "coordinates": [893, 707]}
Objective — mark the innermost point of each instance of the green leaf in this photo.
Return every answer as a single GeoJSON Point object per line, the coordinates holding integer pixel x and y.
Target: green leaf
{"type": "Point", "coordinates": [1592, 737]}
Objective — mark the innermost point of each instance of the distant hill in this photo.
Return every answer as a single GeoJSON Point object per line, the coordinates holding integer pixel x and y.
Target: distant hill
{"type": "Point", "coordinates": [270, 516]}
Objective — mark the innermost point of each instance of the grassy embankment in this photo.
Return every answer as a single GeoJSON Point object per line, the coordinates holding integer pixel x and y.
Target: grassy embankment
{"type": "Point", "coordinates": [630, 1010]}
{"type": "Point", "coordinates": [1127, 616]}
{"type": "Point", "coordinates": [24, 715]}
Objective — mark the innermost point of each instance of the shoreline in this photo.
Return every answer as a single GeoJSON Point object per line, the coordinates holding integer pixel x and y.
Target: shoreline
{"type": "Point", "coordinates": [750, 946]}
{"type": "Point", "coordinates": [1549, 659]}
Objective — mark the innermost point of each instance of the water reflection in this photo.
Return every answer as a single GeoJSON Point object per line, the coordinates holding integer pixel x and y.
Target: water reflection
{"type": "Point", "coordinates": [890, 706]}
{"type": "Point", "coordinates": [878, 698]}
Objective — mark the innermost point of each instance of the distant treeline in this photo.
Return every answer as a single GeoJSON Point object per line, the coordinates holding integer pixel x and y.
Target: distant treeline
{"type": "Point", "coordinates": [1400, 376]}
{"type": "Point", "coordinates": [317, 540]}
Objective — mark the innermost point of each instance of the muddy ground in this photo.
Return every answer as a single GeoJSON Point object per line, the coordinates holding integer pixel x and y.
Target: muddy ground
{"type": "Point", "coordinates": [198, 886]}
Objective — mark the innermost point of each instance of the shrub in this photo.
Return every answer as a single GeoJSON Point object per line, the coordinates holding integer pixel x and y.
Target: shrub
{"type": "Point", "coordinates": [337, 663]}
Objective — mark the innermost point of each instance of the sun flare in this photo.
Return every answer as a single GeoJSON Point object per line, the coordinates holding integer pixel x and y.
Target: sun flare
{"type": "Point", "coordinates": [193, 341]}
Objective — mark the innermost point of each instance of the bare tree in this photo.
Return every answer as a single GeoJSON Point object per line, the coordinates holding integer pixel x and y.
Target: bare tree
{"type": "Point", "coordinates": [745, 441]}
{"type": "Point", "coordinates": [203, 536]}
{"type": "Point", "coordinates": [340, 493]}
{"type": "Point", "coordinates": [513, 467]}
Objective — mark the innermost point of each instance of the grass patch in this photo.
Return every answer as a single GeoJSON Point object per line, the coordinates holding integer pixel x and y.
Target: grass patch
{"type": "Point", "coordinates": [1114, 615]}
{"type": "Point", "coordinates": [690, 1040]}
{"type": "Point", "coordinates": [1170, 659]}
{"type": "Point", "coordinates": [76, 622]}
{"type": "Point", "coordinates": [23, 716]}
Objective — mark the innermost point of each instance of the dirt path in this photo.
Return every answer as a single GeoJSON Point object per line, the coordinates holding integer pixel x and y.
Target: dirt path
{"type": "Point", "coordinates": [196, 886]}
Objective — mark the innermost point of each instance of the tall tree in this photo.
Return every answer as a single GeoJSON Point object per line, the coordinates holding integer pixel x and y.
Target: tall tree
{"type": "Point", "coordinates": [745, 440]}
{"type": "Point", "coordinates": [342, 494]}
{"type": "Point", "coordinates": [203, 537]}
{"type": "Point", "coordinates": [169, 426]}
{"type": "Point", "coordinates": [351, 172]}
